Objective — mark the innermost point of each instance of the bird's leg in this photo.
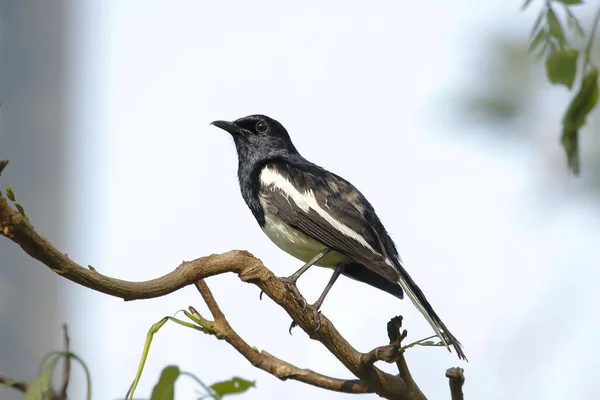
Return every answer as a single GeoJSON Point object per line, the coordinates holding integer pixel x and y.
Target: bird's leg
{"type": "Point", "coordinates": [336, 274]}
{"type": "Point", "coordinates": [293, 278]}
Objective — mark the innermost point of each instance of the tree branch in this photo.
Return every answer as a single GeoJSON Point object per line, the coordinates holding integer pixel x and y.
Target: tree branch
{"type": "Point", "coordinates": [456, 378]}
{"type": "Point", "coordinates": [21, 386]}
{"type": "Point", "coordinates": [267, 362]}
{"type": "Point", "coordinates": [15, 226]}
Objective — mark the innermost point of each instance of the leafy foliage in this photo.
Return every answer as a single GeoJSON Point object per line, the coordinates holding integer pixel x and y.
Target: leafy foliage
{"type": "Point", "coordinates": [41, 387]}
{"type": "Point", "coordinates": [234, 385]}
{"type": "Point", "coordinates": [564, 64]}
{"type": "Point", "coordinates": [11, 196]}
{"type": "Point", "coordinates": [165, 387]}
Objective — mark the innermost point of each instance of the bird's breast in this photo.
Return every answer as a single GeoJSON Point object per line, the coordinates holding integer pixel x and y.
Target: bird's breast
{"type": "Point", "coordinates": [296, 243]}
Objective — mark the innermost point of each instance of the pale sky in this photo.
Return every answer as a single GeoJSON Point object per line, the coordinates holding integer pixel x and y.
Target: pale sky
{"type": "Point", "coordinates": [362, 92]}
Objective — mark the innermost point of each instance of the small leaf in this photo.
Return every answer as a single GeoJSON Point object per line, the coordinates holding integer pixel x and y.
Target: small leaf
{"type": "Point", "coordinates": [575, 117]}
{"type": "Point", "coordinates": [526, 4]}
{"type": "Point", "coordinates": [556, 29]}
{"type": "Point", "coordinates": [165, 387]}
{"type": "Point", "coordinates": [541, 35]}
{"type": "Point", "coordinates": [20, 207]}
{"type": "Point", "coordinates": [541, 52]}
{"type": "Point", "coordinates": [234, 385]}
{"type": "Point", "coordinates": [570, 2]}
{"type": "Point", "coordinates": [41, 387]}
{"type": "Point", "coordinates": [570, 142]}
{"type": "Point", "coordinates": [573, 23]}
{"type": "Point", "coordinates": [537, 24]}
{"type": "Point", "coordinates": [10, 194]}
{"type": "Point", "coordinates": [561, 67]}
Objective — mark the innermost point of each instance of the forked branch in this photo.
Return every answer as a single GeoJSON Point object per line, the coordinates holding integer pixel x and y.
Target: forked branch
{"type": "Point", "coordinates": [15, 226]}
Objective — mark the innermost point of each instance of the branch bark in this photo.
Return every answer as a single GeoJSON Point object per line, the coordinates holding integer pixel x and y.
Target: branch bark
{"type": "Point", "coordinates": [20, 386]}
{"type": "Point", "coordinates": [16, 227]}
{"type": "Point", "coordinates": [456, 379]}
{"type": "Point", "coordinates": [267, 362]}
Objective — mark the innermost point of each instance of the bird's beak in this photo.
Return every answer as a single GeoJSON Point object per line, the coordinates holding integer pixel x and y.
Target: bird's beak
{"type": "Point", "coordinates": [227, 126]}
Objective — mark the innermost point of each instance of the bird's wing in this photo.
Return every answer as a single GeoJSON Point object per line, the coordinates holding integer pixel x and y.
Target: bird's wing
{"type": "Point", "coordinates": [328, 209]}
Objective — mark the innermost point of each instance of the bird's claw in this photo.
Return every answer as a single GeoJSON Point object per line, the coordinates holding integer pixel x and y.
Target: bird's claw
{"type": "Point", "coordinates": [292, 326]}
{"type": "Point", "coordinates": [317, 320]}
{"type": "Point", "coordinates": [291, 286]}
{"type": "Point", "coordinates": [260, 295]}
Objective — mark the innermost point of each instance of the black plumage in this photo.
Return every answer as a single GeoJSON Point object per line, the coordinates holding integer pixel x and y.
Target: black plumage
{"type": "Point", "coordinates": [304, 208]}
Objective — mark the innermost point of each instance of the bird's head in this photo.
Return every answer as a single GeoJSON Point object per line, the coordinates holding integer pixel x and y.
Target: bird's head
{"type": "Point", "coordinates": [258, 136]}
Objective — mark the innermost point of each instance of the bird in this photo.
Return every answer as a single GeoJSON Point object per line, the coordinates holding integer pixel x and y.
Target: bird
{"type": "Point", "coordinates": [319, 217]}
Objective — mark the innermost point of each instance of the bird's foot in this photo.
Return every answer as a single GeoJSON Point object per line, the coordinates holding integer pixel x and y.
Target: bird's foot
{"type": "Point", "coordinates": [317, 320]}
{"type": "Point", "coordinates": [291, 286]}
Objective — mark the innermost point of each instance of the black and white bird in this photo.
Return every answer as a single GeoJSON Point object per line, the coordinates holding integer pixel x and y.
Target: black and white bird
{"type": "Point", "coordinates": [319, 217]}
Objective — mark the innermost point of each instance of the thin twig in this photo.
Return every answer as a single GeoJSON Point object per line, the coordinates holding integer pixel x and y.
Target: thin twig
{"type": "Point", "coordinates": [62, 395]}
{"type": "Point", "coordinates": [269, 363]}
{"type": "Point", "coordinates": [21, 386]}
{"type": "Point", "coordinates": [396, 336]}
{"type": "Point", "coordinates": [456, 379]}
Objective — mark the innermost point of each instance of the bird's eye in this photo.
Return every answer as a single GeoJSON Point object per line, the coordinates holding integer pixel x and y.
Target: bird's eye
{"type": "Point", "coordinates": [262, 127]}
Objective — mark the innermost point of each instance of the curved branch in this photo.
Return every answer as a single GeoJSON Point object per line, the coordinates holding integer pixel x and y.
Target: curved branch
{"type": "Point", "coordinates": [268, 362]}
{"type": "Point", "coordinates": [14, 226]}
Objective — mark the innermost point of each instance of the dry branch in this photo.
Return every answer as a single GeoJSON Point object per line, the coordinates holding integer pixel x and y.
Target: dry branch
{"type": "Point", "coordinates": [16, 227]}
{"type": "Point", "coordinates": [456, 379]}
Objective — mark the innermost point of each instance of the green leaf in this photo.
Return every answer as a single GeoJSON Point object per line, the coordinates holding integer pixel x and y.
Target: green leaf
{"type": "Point", "coordinates": [541, 35]}
{"type": "Point", "coordinates": [19, 207]}
{"type": "Point", "coordinates": [541, 52]}
{"type": "Point", "coordinates": [561, 67]}
{"type": "Point", "coordinates": [573, 23]}
{"type": "Point", "coordinates": [165, 387]}
{"type": "Point", "coordinates": [41, 387]}
{"type": "Point", "coordinates": [570, 2]}
{"type": "Point", "coordinates": [556, 29]}
{"type": "Point", "coordinates": [526, 4]}
{"type": "Point", "coordinates": [9, 193]}
{"type": "Point", "coordinates": [575, 117]}
{"type": "Point", "coordinates": [232, 386]}
{"type": "Point", "coordinates": [537, 24]}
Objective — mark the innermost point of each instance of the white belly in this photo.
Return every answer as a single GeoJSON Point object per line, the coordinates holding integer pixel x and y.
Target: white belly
{"type": "Point", "coordinates": [297, 244]}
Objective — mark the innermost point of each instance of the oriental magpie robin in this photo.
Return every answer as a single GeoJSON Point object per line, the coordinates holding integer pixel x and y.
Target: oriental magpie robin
{"type": "Point", "coordinates": [319, 217]}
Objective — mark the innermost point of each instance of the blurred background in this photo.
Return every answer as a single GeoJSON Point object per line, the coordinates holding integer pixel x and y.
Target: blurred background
{"type": "Point", "coordinates": [105, 118]}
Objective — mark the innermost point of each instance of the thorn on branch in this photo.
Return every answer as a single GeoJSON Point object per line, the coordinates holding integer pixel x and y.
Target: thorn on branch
{"type": "Point", "coordinates": [456, 378]}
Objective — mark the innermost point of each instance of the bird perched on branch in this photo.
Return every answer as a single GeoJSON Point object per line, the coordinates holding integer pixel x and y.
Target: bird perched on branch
{"type": "Point", "coordinates": [319, 217]}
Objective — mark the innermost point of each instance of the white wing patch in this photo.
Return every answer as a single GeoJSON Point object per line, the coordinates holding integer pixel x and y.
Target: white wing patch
{"type": "Point", "coordinates": [307, 201]}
